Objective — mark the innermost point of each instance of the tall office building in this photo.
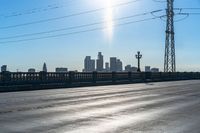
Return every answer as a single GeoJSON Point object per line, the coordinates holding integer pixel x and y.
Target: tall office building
{"type": "Point", "coordinates": [107, 68]}
{"type": "Point", "coordinates": [119, 66]}
{"type": "Point", "coordinates": [113, 64]}
{"type": "Point", "coordinates": [89, 64]}
{"type": "Point", "coordinates": [100, 62]}
{"type": "Point", "coordinates": [147, 69]}
{"type": "Point", "coordinates": [92, 63]}
{"type": "Point", "coordinates": [3, 68]}
{"type": "Point", "coordinates": [44, 68]}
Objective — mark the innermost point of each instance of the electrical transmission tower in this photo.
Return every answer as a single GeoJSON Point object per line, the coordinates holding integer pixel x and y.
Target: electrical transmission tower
{"type": "Point", "coordinates": [170, 61]}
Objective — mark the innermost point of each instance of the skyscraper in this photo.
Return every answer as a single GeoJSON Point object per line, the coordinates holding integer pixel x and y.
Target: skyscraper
{"type": "Point", "coordinates": [44, 67]}
{"type": "Point", "coordinates": [119, 65]}
{"type": "Point", "coordinates": [100, 62]}
{"type": "Point", "coordinates": [89, 64]}
{"type": "Point", "coordinates": [92, 65]}
{"type": "Point", "coordinates": [113, 64]}
{"type": "Point", "coordinates": [107, 68]}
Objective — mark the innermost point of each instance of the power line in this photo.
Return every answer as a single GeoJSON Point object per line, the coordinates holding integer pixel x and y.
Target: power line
{"type": "Point", "coordinates": [67, 16]}
{"type": "Point", "coordinates": [36, 10]}
{"type": "Point", "coordinates": [78, 32]}
{"type": "Point", "coordinates": [183, 12]}
{"type": "Point", "coordinates": [188, 8]}
{"type": "Point", "coordinates": [185, 16]}
{"type": "Point", "coordinates": [161, 1]}
{"type": "Point", "coordinates": [189, 13]}
{"type": "Point", "coordinates": [32, 11]}
{"type": "Point", "coordinates": [79, 26]}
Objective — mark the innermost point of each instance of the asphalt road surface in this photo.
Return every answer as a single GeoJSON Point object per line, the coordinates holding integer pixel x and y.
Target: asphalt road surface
{"type": "Point", "coordinates": [171, 107]}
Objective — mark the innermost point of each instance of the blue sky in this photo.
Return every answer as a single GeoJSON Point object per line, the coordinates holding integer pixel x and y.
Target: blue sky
{"type": "Point", "coordinates": [70, 50]}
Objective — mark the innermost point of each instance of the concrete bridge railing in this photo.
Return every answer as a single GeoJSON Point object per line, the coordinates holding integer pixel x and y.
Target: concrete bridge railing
{"type": "Point", "coordinates": [70, 79]}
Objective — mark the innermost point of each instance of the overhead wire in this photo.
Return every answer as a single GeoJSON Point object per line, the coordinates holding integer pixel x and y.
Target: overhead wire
{"type": "Point", "coordinates": [68, 16]}
{"type": "Point", "coordinates": [161, 1]}
{"type": "Point", "coordinates": [35, 10]}
{"type": "Point", "coordinates": [189, 13]}
{"type": "Point", "coordinates": [181, 11]}
{"type": "Point", "coordinates": [186, 14]}
{"type": "Point", "coordinates": [87, 25]}
{"type": "Point", "coordinates": [31, 11]}
{"type": "Point", "coordinates": [79, 26]}
{"type": "Point", "coordinates": [78, 32]}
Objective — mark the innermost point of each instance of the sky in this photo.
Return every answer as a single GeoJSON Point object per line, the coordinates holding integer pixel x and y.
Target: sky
{"type": "Point", "coordinates": [22, 26]}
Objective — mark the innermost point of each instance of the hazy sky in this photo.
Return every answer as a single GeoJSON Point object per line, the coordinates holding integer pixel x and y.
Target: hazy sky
{"type": "Point", "coordinates": [18, 21]}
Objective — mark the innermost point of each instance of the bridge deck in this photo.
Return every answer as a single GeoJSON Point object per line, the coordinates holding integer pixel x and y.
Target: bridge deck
{"type": "Point", "coordinates": [154, 107]}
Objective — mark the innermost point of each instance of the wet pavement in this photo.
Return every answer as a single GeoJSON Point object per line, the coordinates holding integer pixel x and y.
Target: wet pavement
{"type": "Point", "coordinates": [165, 107]}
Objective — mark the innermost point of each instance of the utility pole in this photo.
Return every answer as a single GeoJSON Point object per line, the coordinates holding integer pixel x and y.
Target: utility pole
{"type": "Point", "coordinates": [170, 61]}
{"type": "Point", "coordinates": [138, 57]}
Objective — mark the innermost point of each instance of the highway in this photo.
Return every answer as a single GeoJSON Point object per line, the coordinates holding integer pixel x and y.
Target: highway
{"type": "Point", "coordinates": [162, 107]}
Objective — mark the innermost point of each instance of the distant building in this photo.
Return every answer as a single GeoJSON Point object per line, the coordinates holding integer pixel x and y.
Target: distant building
{"type": "Point", "coordinates": [155, 70]}
{"type": "Point", "coordinates": [31, 70]}
{"type": "Point", "coordinates": [100, 62]}
{"type": "Point", "coordinates": [107, 68]}
{"type": "Point", "coordinates": [134, 69]}
{"type": "Point", "coordinates": [92, 63]}
{"type": "Point", "coordinates": [89, 64]}
{"type": "Point", "coordinates": [61, 70]}
{"type": "Point", "coordinates": [128, 68]}
{"type": "Point", "coordinates": [113, 64]}
{"type": "Point", "coordinates": [44, 68]}
{"type": "Point", "coordinates": [119, 66]}
{"type": "Point", "coordinates": [3, 68]}
{"type": "Point", "coordinates": [147, 69]}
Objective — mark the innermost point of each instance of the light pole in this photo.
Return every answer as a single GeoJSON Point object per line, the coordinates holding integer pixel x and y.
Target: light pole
{"type": "Point", "coordinates": [138, 57]}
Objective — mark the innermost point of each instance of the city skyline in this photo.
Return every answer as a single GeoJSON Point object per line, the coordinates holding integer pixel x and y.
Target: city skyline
{"type": "Point", "coordinates": [147, 37]}
{"type": "Point", "coordinates": [114, 64]}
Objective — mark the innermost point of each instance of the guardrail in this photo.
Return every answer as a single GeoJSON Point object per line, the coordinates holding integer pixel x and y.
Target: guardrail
{"type": "Point", "coordinates": [40, 80]}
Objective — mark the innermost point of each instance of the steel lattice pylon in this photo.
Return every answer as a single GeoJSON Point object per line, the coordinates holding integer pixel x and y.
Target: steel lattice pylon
{"type": "Point", "coordinates": [170, 61]}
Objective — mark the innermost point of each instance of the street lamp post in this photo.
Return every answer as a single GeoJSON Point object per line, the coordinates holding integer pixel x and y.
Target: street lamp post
{"type": "Point", "coordinates": [138, 57]}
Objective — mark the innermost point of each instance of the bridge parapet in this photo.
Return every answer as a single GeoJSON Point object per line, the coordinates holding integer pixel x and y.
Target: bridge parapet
{"type": "Point", "coordinates": [69, 79]}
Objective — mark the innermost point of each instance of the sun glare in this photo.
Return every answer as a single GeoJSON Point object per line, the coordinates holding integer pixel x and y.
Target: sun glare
{"type": "Point", "coordinates": [109, 24]}
{"type": "Point", "coordinates": [108, 15]}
